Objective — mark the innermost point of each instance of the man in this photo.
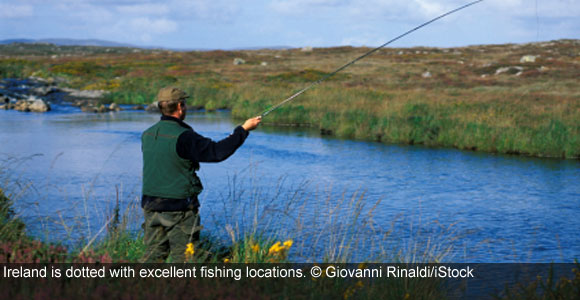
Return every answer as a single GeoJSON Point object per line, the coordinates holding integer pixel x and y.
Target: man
{"type": "Point", "coordinates": [172, 151]}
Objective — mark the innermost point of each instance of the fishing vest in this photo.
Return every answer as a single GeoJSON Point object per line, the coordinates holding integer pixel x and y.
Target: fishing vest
{"type": "Point", "coordinates": [165, 174]}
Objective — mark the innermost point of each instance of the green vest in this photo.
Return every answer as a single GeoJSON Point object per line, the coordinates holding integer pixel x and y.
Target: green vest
{"type": "Point", "coordinates": [165, 174]}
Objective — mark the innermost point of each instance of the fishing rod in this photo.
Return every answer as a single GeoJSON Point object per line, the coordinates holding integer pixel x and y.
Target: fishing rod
{"type": "Point", "coordinates": [317, 82]}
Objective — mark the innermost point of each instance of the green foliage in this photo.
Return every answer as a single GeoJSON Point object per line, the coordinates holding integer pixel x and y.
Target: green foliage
{"type": "Point", "coordinates": [303, 76]}
{"type": "Point", "coordinates": [15, 68]}
{"type": "Point", "coordinates": [11, 228]}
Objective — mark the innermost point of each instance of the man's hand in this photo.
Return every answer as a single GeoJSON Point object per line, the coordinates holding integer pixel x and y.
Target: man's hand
{"type": "Point", "coordinates": [252, 123]}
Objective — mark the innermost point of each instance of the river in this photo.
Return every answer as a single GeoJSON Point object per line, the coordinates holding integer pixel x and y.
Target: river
{"type": "Point", "coordinates": [333, 197]}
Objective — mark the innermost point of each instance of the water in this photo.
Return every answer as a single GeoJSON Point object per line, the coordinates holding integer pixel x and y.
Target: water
{"type": "Point", "coordinates": [489, 208]}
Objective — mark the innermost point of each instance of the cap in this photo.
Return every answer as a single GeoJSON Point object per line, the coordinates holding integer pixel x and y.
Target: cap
{"type": "Point", "coordinates": [171, 94]}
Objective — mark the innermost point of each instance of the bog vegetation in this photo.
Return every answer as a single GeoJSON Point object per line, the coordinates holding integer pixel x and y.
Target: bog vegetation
{"type": "Point", "coordinates": [520, 99]}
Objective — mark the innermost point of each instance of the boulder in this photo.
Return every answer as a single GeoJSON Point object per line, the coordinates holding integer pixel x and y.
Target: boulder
{"type": "Point", "coordinates": [21, 105]}
{"type": "Point", "coordinates": [138, 107]}
{"type": "Point", "coordinates": [517, 70]}
{"type": "Point", "coordinates": [102, 108]}
{"type": "Point", "coordinates": [426, 74]}
{"type": "Point", "coordinates": [239, 61]}
{"type": "Point", "coordinates": [88, 108]}
{"type": "Point", "coordinates": [43, 90]}
{"type": "Point", "coordinates": [114, 107]}
{"type": "Point", "coordinates": [528, 59]}
{"type": "Point", "coordinates": [39, 106]}
{"type": "Point", "coordinates": [152, 107]}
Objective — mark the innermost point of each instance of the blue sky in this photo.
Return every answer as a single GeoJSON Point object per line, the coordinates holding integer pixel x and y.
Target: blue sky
{"type": "Point", "coordinates": [228, 24]}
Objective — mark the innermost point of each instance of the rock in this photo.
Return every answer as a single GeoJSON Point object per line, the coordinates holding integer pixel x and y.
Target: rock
{"type": "Point", "coordinates": [39, 106]}
{"type": "Point", "coordinates": [138, 107]}
{"type": "Point", "coordinates": [426, 74]}
{"type": "Point", "coordinates": [528, 59]}
{"type": "Point", "coordinates": [263, 64]}
{"type": "Point", "coordinates": [21, 105]}
{"type": "Point", "coordinates": [239, 61]}
{"type": "Point", "coordinates": [517, 70]}
{"type": "Point", "coordinates": [152, 107]}
{"type": "Point", "coordinates": [102, 109]}
{"type": "Point", "coordinates": [88, 108]}
{"type": "Point", "coordinates": [85, 93]}
{"type": "Point", "coordinates": [306, 49]}
{"type": "Point", "coordinates": [43, 90]}
{"type": "Point", "coordinates": [114, 107]}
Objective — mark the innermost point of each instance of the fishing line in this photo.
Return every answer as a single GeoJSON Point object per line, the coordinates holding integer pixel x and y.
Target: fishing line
{"type": "Point", "coordinates": [317, 82]}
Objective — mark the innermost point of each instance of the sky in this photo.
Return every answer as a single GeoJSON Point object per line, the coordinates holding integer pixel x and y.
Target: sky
{"type": "Point", "coordinates": [232, 24]}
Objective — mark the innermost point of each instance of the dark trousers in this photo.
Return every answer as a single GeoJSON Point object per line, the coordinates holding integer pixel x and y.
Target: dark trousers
{"type": "Point", "coordinates": [167, 234]}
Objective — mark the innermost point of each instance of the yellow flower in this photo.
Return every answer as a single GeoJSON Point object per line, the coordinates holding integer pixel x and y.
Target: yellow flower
{"type": "Point", "coordinates": [362, 266]}
{"type": "Point", "coordinates": [227, 260]}
{"type": "Point", "coordinates": [255, 247]}
{"type": "Point", "coordinates": [288, 243]}
{"type": "Point", "coordinates": [275, 248]}
{"type": "Point", "coordinates": [189, 250]}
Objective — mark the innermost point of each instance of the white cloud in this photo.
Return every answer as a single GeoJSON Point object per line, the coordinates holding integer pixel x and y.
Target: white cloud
{"type": "Point", "coordinates": [138, 30]}
{"type": "Point", "coordinates": [15, 10]}
{"type": "Point", "coordinates": [210, 10]}
{"type": "Point", "coordinates": [293, 7]}
{"type": "Point", "coordinates": [154, 26]}
{"type": "Point", "coordinates": [144, 9]}
{"type": "Point", "coordinates": [85, 12]}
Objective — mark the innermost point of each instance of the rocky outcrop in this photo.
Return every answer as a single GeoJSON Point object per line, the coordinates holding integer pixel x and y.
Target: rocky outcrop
{"type": "Point", "coordinates": [528, 59]}
{"type": "Point", "coordinates": [39, 106]}
{"type": "Point", "coordinates": [43, 90]}
{"type": "Point", "coordinates": [32, 104]}
{"type": "Point", "coordinates": [239, 61]}
{"type": "Point", "coordinates": [514, 70]}
{"type": "Point", "coordinates": [91, 94]}
{"type": "Point", "coordinates": [100, 108]}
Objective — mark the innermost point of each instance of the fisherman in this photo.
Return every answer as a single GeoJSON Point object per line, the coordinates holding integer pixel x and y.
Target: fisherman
{"type": "Point", "coordinates": [172, 151]}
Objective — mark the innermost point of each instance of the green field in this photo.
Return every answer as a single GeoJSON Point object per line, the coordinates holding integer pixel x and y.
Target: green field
{"type": "Point", "coordinates": [440, 97]}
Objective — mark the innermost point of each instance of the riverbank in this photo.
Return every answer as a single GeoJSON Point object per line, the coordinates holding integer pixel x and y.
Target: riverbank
{"type": "Point", "coordinates": [517, 99]}
{"type": "Point", "coordinates": [119, 249]}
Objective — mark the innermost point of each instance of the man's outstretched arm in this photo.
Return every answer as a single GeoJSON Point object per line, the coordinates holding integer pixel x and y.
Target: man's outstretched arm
{"type": "Point", "coordinates": [194, 147]}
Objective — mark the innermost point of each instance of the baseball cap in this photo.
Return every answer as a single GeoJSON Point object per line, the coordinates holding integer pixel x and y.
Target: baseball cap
{"type": "Point", "coordinates": [171, 94]}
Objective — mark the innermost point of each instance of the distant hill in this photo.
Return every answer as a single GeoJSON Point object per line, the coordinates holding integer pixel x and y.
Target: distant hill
{"type": "Point", "coordinates": [67, 42]}
{"type": "Point", "coordinates": [103, 43]}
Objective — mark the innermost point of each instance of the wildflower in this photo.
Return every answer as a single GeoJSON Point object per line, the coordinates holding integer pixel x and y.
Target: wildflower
{"type": "Point", "coordinates": [255, 248]}
{"type": "Point", "coordinates": [407, 296]}
{"type": "Point", "coordinates": [362, 266]}
{"type": "Point", "coordinates": [227, 260]}
{"type": "Point", "coordinates": [288, 243]}
{"type": "Point", "coordinates": [189, 251]}
{"type": "Point", "coordinates": [275, 248]}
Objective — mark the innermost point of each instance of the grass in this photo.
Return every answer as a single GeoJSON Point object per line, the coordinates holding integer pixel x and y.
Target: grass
{"type": "Point", "coordinates": [383, 98]}
{"type": "Point", "coordinates": [254, 246]}
{"type": "Point", "coordinates": [249, 245]}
